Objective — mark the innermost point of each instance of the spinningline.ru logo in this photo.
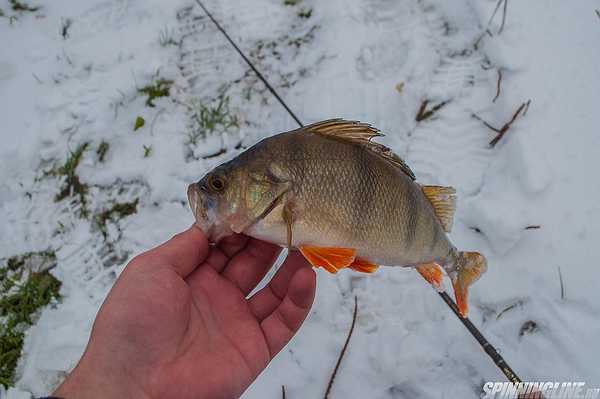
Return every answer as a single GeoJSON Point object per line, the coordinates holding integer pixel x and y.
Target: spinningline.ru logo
{"type": "Point", "coordinates": [539, 390]}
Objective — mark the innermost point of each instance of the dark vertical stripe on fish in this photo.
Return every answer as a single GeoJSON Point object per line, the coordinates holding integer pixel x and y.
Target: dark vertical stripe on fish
{"type": "Point", "coordinates": [364, 190]}
{"type": "Point", "coordinates": [412, 216]}
{"type": "Point", "coordinates": [435, 237]}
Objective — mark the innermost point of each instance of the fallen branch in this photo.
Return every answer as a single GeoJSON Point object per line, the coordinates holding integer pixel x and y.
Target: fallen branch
{"type": "Point", "coordinates": [283, 392]}
{"type": "Point", "coordinates": [502, 131]}
{"type": "Point", "coordinates": [498, 85]}
{"type": "Point", "coordinates": [341, 356]}
{"type": "Point", "coordinates": [423, 113]}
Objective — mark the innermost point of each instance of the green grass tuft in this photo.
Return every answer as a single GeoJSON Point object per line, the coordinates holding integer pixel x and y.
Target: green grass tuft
{"type": "Point", "coordinates": [102, 150]}
{"type": "Point", "coordinates": [73, 185]}
{"type": "Point", "coordinates": [291, 2]}
{"type": "Point", "coordinates": [166, 38]}
{"type": "Point", "coordinates": [22, 7]}
{"type": "Point", "coordinates": [115, 213]}
{"type": "Point", "coordinates": [147, 150]}
{"type": "Point", "coordinates": [157, 89]}
{"type": "Point", "coordinates": [305, 13]}
{"type": "Point", "coordinates": [20, 300]}
{"type": "Point", "coordinates": [212, 118]}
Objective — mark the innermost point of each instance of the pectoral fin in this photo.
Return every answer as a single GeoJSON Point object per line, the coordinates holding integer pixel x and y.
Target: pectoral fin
{"type": "Point", "coordinates": [288, 218]}
{"type": "Point", "coordinates": [331, 259]}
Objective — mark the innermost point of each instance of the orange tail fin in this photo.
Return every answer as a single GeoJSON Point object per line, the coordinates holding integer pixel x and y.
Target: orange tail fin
{"type": "Point", "coordinates": [469, 267]}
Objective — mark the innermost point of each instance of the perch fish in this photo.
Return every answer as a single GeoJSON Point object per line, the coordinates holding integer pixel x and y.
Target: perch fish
{"type": "Point", "coordinates": [341, 199]}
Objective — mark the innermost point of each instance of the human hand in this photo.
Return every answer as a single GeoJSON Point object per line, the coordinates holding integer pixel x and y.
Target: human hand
{"type": "Point", "coordinates": [177, 323]}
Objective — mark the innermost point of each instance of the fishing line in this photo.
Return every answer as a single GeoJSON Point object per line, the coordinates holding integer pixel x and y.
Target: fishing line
{"type": "Point", "coordinates": [485, 344]}
{"type": "Point", "coordinates": [250, 64]}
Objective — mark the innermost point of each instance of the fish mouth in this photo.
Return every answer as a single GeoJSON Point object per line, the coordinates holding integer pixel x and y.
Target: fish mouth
{"type": "Point", "coordinates": [198, 208]}
{"type": "Point", "coordinates": [204, 213]}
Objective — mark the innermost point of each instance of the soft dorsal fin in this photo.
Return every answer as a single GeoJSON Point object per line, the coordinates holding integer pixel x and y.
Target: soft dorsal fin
{"type": "Point", "coordinates": [359, 133]}
{"type": "Point", "coordinates": [444, 202]}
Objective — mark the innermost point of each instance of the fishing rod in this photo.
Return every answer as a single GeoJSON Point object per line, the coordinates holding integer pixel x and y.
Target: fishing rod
{"type": "Point", "coordinates": [485, 344]}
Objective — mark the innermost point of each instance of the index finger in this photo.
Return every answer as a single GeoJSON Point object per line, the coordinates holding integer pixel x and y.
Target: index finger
{"type": "Point", "coordinates": [184, 252]}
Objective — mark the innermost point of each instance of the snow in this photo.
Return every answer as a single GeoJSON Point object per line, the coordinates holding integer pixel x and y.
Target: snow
{"type": "Point", "coordinates": [57, 93]}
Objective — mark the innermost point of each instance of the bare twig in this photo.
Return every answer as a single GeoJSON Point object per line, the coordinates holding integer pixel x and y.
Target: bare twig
{"type": "Point", "coordinates": [283, 392]}
{"type": "Point", "coordinates": [498, 85]}
{"type": "Point", "coordinates": [485, 123]}
{"type": "Point", "coordinates": [487, 27]}
{"type": "Point", "coordinates": [341, 356]}
{"type": "Point", "coordinates": [526, 107]}
{"type": "Point", "coordinates": [562, 286]}
{"type": "Point", "coordinates": [503, 17]}
{"type": "Point", "coordinates": [488, 32]}
{"type": "Point", "coordinates": [37, 78]}
{"type": "Point", "coordinates": [533, 227]}
{"type": "Point", "coordinates": [498, 4]}
{"type": "Point", "coordinates": [502, 131]}
{"type": "Point", "coordinates": [423, 113]}
{"type": "Point", "coordinates": [514, 305]}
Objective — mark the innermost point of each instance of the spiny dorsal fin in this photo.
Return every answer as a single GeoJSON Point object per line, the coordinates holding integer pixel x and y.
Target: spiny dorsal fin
{"type": "Point", "coordinates": [443, 201]}
{"type": "Point", "coordinates": [359, 133]}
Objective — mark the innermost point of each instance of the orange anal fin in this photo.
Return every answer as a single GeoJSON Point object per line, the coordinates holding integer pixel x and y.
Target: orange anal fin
{"type": "Point", "coordinates": [431, 272]}
{"type": "Point", "coordinates": [331, 259]}
{"type": "Point", "coordinates": [364, 266]}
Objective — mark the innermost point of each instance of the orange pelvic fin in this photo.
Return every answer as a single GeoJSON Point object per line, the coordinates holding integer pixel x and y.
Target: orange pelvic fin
{"type": "Point", "coordinates": [331, 259]}
{"type": "Point", "coordinates": [432, 272]}
{"type": "Point", "coordinates": [364, 266]}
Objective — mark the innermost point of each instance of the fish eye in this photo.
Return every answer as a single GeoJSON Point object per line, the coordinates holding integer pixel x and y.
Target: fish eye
{"type": "Point", "coordinates": [216, 183]}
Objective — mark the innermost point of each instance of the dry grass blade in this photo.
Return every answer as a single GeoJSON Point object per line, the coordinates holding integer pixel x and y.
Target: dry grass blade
{"type": "Point", "coordinates": [498, 4]}
{"type": "Point", "coordinates": [423, 113]}
{"type": "Point", "coordinates": [498, 85]}
{"type": "Point", "coordinates": [503, 17]}
{"type": "Point", "coordinates": [502, 131]}
{"type": "Point", "coordinates": [343, 352]}
{"type": "Point", "coordinates": [562, 286]}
